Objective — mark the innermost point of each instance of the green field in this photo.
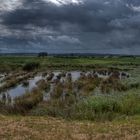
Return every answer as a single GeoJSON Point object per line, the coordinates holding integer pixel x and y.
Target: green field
{"type": "Point", "coordinates": [65, 63]}
{"type": "Point", "coordinates": [99, 108]}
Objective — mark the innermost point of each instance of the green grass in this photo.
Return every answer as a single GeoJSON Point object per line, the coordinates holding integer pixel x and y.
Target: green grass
{"type": "Point", "coordinates": [97, 107]}
{"type": "Point", "coordinates": [13, 63]}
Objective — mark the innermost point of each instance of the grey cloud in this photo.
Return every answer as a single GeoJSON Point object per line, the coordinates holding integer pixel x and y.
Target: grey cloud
{"type": "Point", "coordinates": [91, 26]}
{"type": "Point", "coordinates": [129, 22]}
{"type": "Point", "coordinates": [92, 16]}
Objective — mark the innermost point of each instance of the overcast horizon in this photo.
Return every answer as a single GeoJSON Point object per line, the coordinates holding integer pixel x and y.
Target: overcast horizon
{"type": "Point", "coordinates": [70, 26]}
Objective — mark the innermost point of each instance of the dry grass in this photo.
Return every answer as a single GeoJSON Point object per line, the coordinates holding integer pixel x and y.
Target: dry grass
{"type": "Point", "coordinates": [44, 128]}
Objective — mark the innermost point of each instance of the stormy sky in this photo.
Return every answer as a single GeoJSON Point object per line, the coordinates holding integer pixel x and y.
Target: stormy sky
{"type": "Point", "coordinates": [70, 26]}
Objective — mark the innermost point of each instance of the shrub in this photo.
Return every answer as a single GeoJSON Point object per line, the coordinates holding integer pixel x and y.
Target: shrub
{"type": "Point", "coordinates": [31, 66]}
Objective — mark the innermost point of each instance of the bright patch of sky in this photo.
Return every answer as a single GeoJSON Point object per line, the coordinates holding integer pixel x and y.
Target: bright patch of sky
{"type": "Point", "coordinates": [8, 5]}
{"type": "Point", "coordinates": [64, 2]}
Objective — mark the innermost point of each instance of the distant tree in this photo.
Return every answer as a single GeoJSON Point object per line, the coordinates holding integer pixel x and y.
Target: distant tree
{"type": "Point", "coordinates": [42, 54]}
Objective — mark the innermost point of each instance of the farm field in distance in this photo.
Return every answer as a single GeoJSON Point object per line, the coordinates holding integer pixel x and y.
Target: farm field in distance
{"type": "Point", "coordinates": [76, 98]}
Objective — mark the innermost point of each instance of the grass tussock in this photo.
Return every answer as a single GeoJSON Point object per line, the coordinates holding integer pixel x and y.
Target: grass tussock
{"type": "Point", "coordinates": [87, 85]}
{"type": "Point", "coordinates": [22, 104]}
{"type": "Point", "coordinates": [28, 100]}
{"type": "Point", "coordinates": [15, 80]}
{"type": "Point", "coordinates": [112, 83]}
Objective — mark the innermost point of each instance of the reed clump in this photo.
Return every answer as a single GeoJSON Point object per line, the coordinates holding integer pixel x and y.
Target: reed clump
{"type": "Point", "coordinates": [26, 102]}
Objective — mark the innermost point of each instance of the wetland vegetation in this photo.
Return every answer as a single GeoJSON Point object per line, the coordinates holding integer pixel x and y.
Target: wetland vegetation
{"type": "Point", "coordinates": [83, 89]}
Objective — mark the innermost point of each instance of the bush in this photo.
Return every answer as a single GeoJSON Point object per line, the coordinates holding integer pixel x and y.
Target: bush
{"type": "Point", "coordinates": [31, 66]}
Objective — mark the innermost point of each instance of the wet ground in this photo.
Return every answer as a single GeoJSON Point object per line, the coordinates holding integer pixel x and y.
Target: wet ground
{"type": "Point", "coordinates": [52, 78]}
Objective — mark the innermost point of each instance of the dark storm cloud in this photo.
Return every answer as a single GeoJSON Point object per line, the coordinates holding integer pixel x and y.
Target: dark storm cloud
{"type": "Point", "coordinates": [93, 16]}
{"type": "Point", "coordinates": [94, 25]}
